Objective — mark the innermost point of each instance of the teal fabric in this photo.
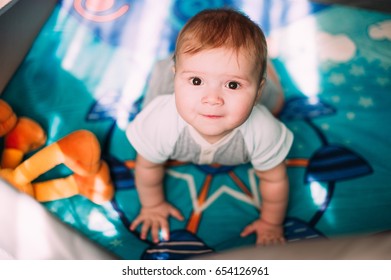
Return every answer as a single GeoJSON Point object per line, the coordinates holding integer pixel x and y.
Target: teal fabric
{"type": "Point", "coordinates": [88, 70]}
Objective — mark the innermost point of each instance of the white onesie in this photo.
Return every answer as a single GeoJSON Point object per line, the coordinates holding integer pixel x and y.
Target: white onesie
{"type": "Point", "coordinates": [158, 133]}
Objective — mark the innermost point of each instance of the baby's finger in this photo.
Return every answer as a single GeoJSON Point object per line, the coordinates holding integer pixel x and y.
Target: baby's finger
{"type": "Point", "coordinates": [247, 231]}
{"type": "Point", "coordinates": [135, 224]}
{"type": "Point", "coordinates": [155, 231]}
{"type": "Point", "coordinates": [281, 240]}
{"type": "Point", "coordinates": [176, 213]}
{"type": "Point", "coordinates": [144, 229]}
{"type": "Point", "coordinates": [263, 241]}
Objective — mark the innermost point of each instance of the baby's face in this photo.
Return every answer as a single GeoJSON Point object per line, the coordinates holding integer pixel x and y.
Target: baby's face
{"type": "Point", "coordinates": [215, 90]}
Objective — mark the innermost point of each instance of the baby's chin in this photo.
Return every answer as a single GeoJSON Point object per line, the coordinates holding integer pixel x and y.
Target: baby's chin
{"type": "Point", "coordinates": [212, 134]}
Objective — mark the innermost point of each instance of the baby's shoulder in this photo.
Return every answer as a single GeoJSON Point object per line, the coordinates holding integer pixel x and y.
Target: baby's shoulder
{"type": "Point", "coordinates": [160, 110]}
{"type": "Point", "coordinates": [261, 117]}
{"type": "Point", "coordinates": [162, 103]}
{"type": "Point", "coordinates": [261, 127]}
{"type": "Point", "coordinates": [160, 115]}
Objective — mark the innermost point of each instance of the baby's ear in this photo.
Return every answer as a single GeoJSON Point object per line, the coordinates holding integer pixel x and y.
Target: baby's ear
{"type": "Point", "coordinates": [260, 89]}
{"type": "Point", "coordinates": [172, 62]}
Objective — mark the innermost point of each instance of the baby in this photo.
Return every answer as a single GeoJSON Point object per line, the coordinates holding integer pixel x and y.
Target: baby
{"type": "Point", "coordinates": [213, 117]}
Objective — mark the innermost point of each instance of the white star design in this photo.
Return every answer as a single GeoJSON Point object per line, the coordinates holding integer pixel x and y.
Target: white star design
{"type": "Point", "coordinates": [336, 98]}
{"type": "Point", "coordinates": [358, 88]}
{"type": "Point", "coordinates": [70, 220]}
{"type": "Point", "coordinates": [357, 70]}
{"type": "Point", "coordinates": [337, 79]}
{"type": "Point", "coordinates": [116, 242]}
{"type": "Point", "coordinates": [325, 126]}
{"type": "Point", "coordinates": [222, 190]}
{"type": "Point", "coordinates": [54, 208]}
{"type": "Point", "coordinates": [365, 102]}
{"type": "Point", "coordinates": [385, 65]}
{"type": "Point", "coordinates": [383, 81]}
{"type": "Point", "coordinates": [351, 116]}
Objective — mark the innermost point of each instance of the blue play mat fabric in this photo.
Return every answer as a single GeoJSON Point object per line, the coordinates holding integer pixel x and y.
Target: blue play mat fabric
{"type": "Point", "coordinates": [89, 67]}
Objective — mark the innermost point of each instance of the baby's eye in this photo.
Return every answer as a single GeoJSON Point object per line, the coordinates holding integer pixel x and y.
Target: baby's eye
{"type": "Point", "coordinates": [233, 85]}
{"type": "Point", "coordinates": [196, 81]}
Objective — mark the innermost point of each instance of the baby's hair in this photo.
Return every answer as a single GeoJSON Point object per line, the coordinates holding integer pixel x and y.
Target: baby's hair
{"type": "Point", "coordinates": [226, 28]}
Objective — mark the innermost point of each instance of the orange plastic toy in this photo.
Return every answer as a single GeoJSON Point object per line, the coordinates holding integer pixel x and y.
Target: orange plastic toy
{"type": "Point", "coordinates": [79, 151]}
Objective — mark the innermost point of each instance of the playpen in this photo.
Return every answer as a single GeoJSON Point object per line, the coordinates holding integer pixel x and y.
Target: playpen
{"type": "Point", "coordinates": [76, 64]}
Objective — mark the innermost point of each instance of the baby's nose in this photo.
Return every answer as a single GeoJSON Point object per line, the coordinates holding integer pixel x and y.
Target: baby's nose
{"type": "Point", "coordinates": [213, 98]}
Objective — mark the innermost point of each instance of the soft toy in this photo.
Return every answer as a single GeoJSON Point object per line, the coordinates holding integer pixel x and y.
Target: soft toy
{"type": "Point", "coordinates": [79, 151]}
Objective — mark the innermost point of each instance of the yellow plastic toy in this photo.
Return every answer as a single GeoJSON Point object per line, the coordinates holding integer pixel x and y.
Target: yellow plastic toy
{"type": "Point", "coordinates": [79, 151]}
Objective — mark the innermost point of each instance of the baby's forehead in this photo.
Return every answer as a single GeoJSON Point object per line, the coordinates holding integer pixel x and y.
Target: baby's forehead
{"type": "Point", "coordinates": [189, 49]}
{"type": "Point", "coordinates": [237, 54]}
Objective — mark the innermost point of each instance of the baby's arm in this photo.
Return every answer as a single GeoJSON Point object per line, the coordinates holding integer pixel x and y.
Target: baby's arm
{"type": "Point", "coordinates": [274, 186]}
{"type": "Point", "coordinates": [155, 209]}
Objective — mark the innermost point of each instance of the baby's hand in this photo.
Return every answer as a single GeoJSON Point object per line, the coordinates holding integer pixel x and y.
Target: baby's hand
{"type": "Point", "coordinates": [155, 219]}
{"type": "Point", "coordinates": [266, 233]}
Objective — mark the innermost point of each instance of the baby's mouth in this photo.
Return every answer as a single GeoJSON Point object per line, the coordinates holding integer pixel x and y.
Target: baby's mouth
{"type": "Point", "coordinates": [212, 116]}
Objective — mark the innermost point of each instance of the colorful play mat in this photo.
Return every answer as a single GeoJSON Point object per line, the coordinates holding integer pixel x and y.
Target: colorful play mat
{"type": "Point", "coordinates": [89, 67]}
